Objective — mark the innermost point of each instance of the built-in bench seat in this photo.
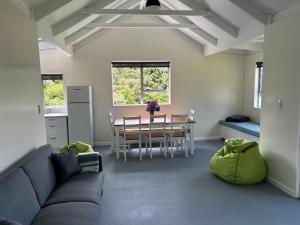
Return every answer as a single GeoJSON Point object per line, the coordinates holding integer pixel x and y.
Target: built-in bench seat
{"type": "Point", "coordinates": [244, 130]}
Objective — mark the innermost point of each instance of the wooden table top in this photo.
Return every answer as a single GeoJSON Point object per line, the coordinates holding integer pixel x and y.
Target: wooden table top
{"type": "Point", "coordinates": [145, 121]}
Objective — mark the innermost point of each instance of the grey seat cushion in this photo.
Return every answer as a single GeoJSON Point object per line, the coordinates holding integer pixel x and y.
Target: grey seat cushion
{"type": "Point", "coordinates": [18, 200]}
{"type": "Point", "coordinates": [4, 221]}
{"type": "Point", "coordinates": [41, 173]}
{"type": "Point", "coordinates": [71, 213]}
{"type": "Point", "coordinates": [82, 187]}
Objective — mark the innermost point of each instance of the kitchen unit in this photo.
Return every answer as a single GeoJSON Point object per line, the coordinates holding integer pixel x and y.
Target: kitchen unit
{"type": "Point", "coordinates": [56, 129]}
{"type": "Point", "coordinates": [80, 114]}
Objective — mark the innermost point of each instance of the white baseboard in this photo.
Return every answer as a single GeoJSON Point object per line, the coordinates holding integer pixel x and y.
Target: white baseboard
{"type": "Point", "coordinates": [214, 138]}
{"type": "Point", "coordinates": [282, 186]}
{"type": "Point", "coordinates": [103, 143]}
{"type": "Point", "coordinates": [108, 143]}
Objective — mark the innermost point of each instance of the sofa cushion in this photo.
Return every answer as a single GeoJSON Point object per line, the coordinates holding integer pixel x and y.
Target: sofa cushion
{"type": "Point", "coordinates": [4, 221]}
{"type": "Point", "coordinates": [41, 173]}
{"type": "Point", "coordinates": [65, 164]}
{"type": "Point", "coordinates": [71, 213]}
{"type": "Point", "coordinates": [83, 187]}
{"type": "Point", "coordinates": [18, 200]}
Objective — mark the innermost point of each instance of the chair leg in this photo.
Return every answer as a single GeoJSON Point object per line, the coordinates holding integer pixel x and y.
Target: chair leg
{"type": "Point", "coordinates": [146, 145]}
{"type": "Point", "coordinates": [150, 143]}
{"type": "Point", "coordinates": [176, 144]}
{"type": "Point", "coordinates": [172, 143]}
{"type": "Point", "coordinates": [165, 148]}
{"type": "Point", "coordinates": [140, 150]}
{"type": "Point", "coordinates": [186, 148]}
{"type": "Point", "coordinates": [160, 146]}
{"type": "Point", "coordinates": [124, 150]}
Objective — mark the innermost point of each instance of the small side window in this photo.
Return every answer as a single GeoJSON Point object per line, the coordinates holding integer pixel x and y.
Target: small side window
{"type": "Point", "coordinates": [53, 87]}
{"type": "Point", "coordinates": [258, 87]}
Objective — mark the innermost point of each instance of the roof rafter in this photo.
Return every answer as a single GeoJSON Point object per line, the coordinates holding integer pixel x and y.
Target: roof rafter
{"type": "Point", "coordinates": [45, 8]}
{"type": "Point", "coordinates": [253, 11]}
{"type": "Point", "coordinates": [85, 31]}
{"type": "Point", "coordinates": [90, 33]}
{"type": "Point", "coordinates": [199, 31]}
{"type": "Point", "coordinates": [214, 18]}
{"type": "Point", "coordinates": [78, 17]}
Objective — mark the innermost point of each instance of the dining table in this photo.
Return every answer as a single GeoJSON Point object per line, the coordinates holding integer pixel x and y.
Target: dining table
{"type": "Point", "coordinates": [145, 122]}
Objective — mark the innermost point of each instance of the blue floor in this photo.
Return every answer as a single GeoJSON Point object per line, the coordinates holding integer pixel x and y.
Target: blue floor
{"type": "Point", "coordinates": [183, 191]}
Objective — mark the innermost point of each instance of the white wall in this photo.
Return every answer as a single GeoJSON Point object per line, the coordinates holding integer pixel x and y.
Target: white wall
{"type": "Point", "coordinates": [279, 127]}
{"type": "Point", "coordinates": [210, 85]}
{"type": "Point", "coordinates": [249, 84]}
{"type": "Point", "coordinates": [22, 128]}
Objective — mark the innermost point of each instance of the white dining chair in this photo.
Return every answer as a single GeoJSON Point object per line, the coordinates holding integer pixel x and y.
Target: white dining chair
{"type": "Point", "coordinates": [156, 133]}
{"type": "Point", "coordinates": [112, 131]}
{"type": "Point", "coordinates": [191, 118]}
{"type": "Point", "coordinates": [131, 134]}
{"type": "Point", "coordinates": [178, 133]}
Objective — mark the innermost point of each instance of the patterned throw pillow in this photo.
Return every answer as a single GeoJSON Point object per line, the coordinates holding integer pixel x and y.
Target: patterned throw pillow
{"type": "Point", "coordinates": [89, 162]}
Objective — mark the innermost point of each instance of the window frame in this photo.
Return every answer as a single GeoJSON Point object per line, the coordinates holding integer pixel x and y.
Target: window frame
{"type": "Point", "coordinates": [59, 76]}
{"type": "Point", "coordinates": [142, 64]}
{"type": "Point", "coordinates": [258, 85]}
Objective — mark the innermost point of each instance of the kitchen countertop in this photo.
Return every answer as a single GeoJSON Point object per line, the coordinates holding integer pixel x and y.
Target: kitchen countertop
{"type": "Point", "coordinates": [56, 115]}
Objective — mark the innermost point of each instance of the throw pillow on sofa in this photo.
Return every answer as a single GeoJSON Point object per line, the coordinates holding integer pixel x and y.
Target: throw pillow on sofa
{"type": "Point", "coordinates": [65, 164]}
{"type": "Point", "coordinates": [4, 221]}
{"type": "Point", "coordinates": [89, 162]}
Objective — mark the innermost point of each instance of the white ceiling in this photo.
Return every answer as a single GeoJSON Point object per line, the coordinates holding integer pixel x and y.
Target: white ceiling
{"type": "Point", "coordinates": [230, 23]}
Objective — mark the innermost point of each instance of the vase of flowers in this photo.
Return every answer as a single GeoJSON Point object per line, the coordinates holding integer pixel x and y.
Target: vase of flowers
{"type": "Point", "coordinates": [152, 106]}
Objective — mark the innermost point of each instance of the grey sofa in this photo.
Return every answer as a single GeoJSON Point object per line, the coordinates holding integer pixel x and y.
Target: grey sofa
{"type": "Point", "coordinates": [30, 195]}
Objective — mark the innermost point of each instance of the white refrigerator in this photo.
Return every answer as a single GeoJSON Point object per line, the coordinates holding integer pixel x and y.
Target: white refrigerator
{"type": "Point", "coordinates": [80, 114]}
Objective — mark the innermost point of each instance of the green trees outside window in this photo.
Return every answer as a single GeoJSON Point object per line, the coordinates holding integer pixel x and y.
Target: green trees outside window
{"type": "Point", "coordinates": [139, 84]}
{"type": "Point", "coordinates": [53, 93]}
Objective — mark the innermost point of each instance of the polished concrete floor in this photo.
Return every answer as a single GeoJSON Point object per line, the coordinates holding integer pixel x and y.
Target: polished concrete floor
{"type": "Point", "coordinates": [183, 191]}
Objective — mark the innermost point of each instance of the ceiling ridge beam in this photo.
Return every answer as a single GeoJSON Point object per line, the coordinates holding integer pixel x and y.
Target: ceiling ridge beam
{"type": "Point", "coordinates": [142, 25]}
{"type": "Point", "coordinates": [101, 32]}
{"type": "Point", "coordinates": [78, 17]}
{"type": "Point", "coordinates": [146, 12]}
{"type": "Point", "coordinates": [214, 18]}
{"type": "Point", "coordinates": [85, 31]}
{"type": "Point", "coordinates": [41, 10]}
{"type": "Point", "coordinates": [253, 11]}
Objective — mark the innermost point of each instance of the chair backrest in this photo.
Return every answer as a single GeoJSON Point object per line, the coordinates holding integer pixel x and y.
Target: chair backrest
{"type": "Point", "coordinates": [192, 114]}
{"type": "Point", "coordinates": [112, 123]}
{"type": "Point", "coordinates": [132, 124]}
{"type": "Point", "coordinates": [179, 123]}
{"type": "Point", "coordinates": [157, 124]}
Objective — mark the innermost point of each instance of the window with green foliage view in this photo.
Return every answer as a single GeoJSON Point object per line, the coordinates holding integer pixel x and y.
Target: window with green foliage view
{"type": "Point", "coordinates": [53, 91]}
{"type": "Point", "coordinates": [137, 83]}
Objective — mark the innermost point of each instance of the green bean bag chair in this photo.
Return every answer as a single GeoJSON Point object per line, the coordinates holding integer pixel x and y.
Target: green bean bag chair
{"type": "Point", "coordinates": [239, 162]}
{"type": "Point", "coordinates": [78, 146]}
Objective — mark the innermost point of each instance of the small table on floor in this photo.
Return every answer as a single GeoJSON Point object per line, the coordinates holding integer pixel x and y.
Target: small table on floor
{"type": "Point", "coordinates": [145, 123]}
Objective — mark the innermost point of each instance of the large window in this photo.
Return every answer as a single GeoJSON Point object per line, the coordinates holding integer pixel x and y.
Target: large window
{"type": "Point", "coordinates": [135, 83]}
{"type": "Point", "coordinates": [258, 84]}
{"type": "Point", "coordinates": [53, 90]}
